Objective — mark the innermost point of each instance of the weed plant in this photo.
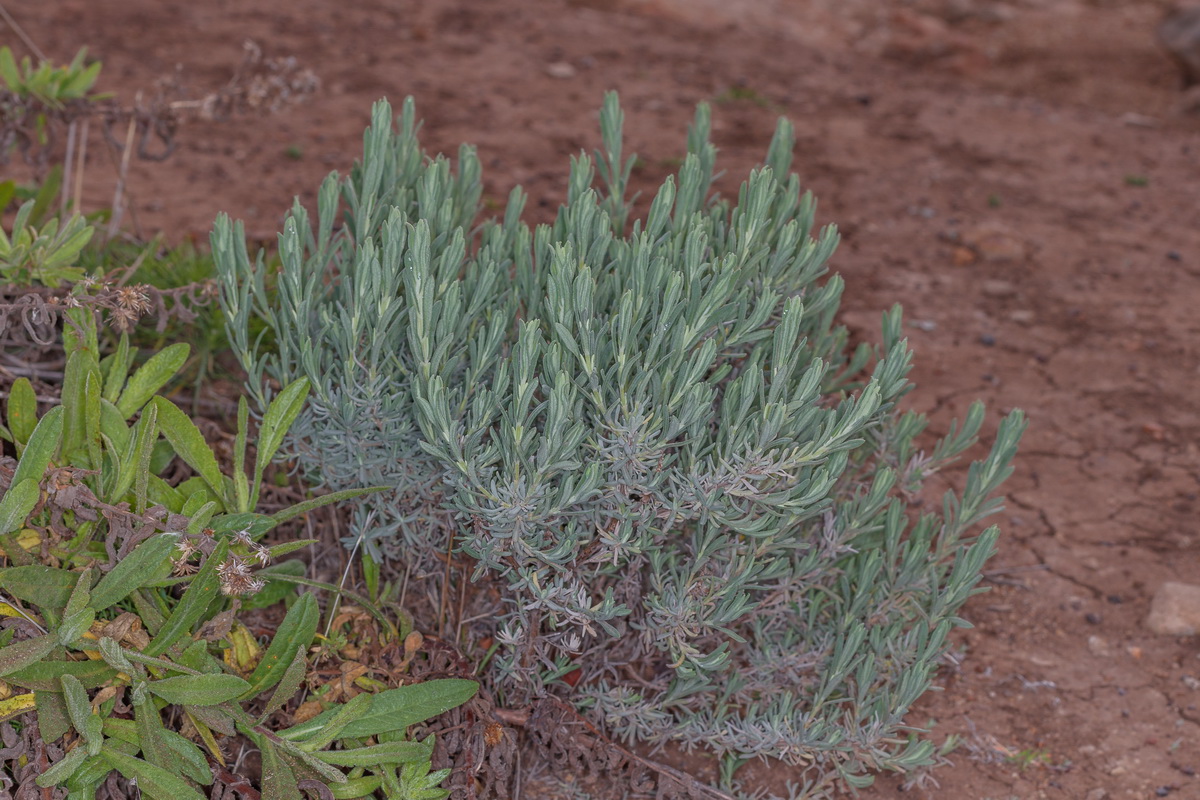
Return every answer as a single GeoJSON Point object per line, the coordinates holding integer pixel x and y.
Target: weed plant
{"type": "Point", "coordinates": [690, 508]}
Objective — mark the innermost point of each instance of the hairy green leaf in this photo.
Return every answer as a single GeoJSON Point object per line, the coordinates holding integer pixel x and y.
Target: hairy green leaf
{"type": "Point", "coordinates": [149, 561]}
{"type": "Point", "coordinates": [198, 690]}
{"type": "Point", "coordinates": [151, 377]}
{"type": "Point", "coordinates": [394, 709]}
{"type": "Point", "coordinates": [154, 782]}
{"type": "Point", "coordinates": [298, 628]}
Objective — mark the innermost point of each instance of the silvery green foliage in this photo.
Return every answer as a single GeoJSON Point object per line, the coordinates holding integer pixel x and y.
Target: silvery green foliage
{"type": "Point", "coordinates": [651, 434]}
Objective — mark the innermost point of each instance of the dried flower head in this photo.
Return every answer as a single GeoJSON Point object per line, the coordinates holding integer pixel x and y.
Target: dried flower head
{"type": "Point", "coordinates": [237, 579]}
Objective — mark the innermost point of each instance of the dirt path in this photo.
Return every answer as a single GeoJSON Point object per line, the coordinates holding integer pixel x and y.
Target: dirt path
{"type": "Point", "coordinates": [1012, 172]}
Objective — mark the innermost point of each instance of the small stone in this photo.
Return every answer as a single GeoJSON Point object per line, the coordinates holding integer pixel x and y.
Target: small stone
{"type": "Point", "coordinates": [963, 256]}
{"type": "Point", "coordinates": [1097, 794]}
{"type": "Point", "coordinates": [560, 69]}
{"type": "Point", "coordinates": [1022, 316]}
{"type": "Point", "coordinates": [1190, 682]}
{"type": "Point", "coordinates": [1097, 646]}
{"type": "Point", "coordinates": [1115, 599]}
{"type": "Point", "coordinates": [1093, 618]}
{"type": "Point", "coordinates": [998, 288]}
{"type": "Point", "coordinates": [994, 242]}
{"type": "Point", "coordinates": [987, 340]}
{"type": "Point", "coordinates": [1175, 610]}
{"type": "Point", "coordinates": [1162, 791]}
{"type": "Point", "coordinates": [1174, 255]}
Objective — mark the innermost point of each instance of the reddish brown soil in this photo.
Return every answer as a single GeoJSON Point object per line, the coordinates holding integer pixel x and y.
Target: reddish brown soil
{"type": "Point", "coordinates": [1016, 173]}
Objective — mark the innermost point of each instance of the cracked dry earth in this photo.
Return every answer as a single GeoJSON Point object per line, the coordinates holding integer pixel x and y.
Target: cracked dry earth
{"type": "Point", "coordinates": [1019, 174]}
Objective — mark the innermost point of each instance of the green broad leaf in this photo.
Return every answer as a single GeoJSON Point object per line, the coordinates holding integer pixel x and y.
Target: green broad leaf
{"type": "Point", "coordinates": [81, 365]}
{"type": "Point", "coordinates": [197, 657]}
{"type": "Point", "coordinates": [214, 718]}
{"type": "Point", "coordinates": [63, 769]}
{"type": "Point", "coordinates": [286, 548]}
{"type": "Point", "coordinates": [46, 676]}
{"type": "Point", "coordinates": [22, 412]}
{"type": "Point", "coordinates": [91, 418]}
{"type": "Point", "coordinates": [149, 561]}
{"type": "Point", "coordinates": [189, 443]}
{"type": "Point", "coordinates": [112, 425]}
{"type": "Point", "coordinates": [394, 709]}
{"type": "Point", "coordinates": [193, 606]}
{"type": "Point", "coordinates": [9, 71]}
{"type": "Point", "coordinates": [289, 684]}
{"type": "Point", "coordinates": [278, 779]}
{"type": "Point", "coordinates": [124, 730]}
{"type": "Point", "coordinates": [79, 710]}
{"type": "Point", "coordinates": [40, 586]}
{"type": "Point", "coordinates": [52, 718]}
{"type": "Point", "coordinates": [342, 716]}
{"type": "Point", "coordinates": [80, 595]}
{"type": "Point", "coordinates": [20, 655]}
{"type": "Point", "coordinates": [8, 190]}
{"type": "Point", "coordinates": [75, 625]}
{"type": "Point", "coordinates": [16, 504]}
{"type": "Point", "coordinates": [152, 376]}
{"type": "Point", "coordinates": [390, 753]}
{"type": "Point", "coordinates": [356, 787]}
{"type": "Point", "coordinates": [275, 424]}
{"type": "Point", "coordinates": [190, 758]}
{"type": "Point", "coordinates": [154, 782]}
{"type": "Point", "coordinates": [150, 730]}
{"type": "Point", "coordinates": [159, 492]}
{"type": "Point", "coordinates": [114, 656]}
{"type": "Point", "coordinates": [241, 485]}
{"type": "Point", "coordinates": [115, 369]}
{"type": "Point", "coordinates": [296, 631]}
{"type": "Point", "coordinates": [300, 509]}
{"type": "Point", "coordinates": [198, 690]}
{"type": "Point", "coordinates": [43, 442]}
{"type": "Point", "coordinates": [331, 774]}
